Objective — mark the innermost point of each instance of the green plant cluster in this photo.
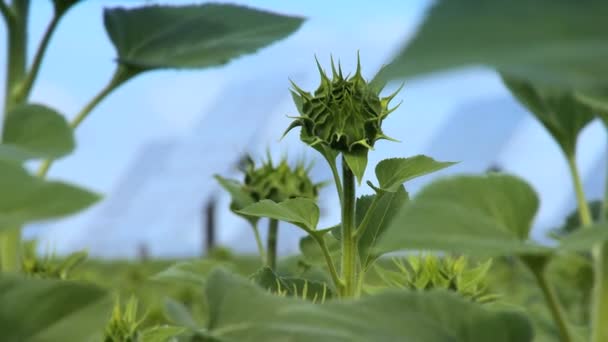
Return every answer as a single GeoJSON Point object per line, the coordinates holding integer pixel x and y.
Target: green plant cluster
{"type": "Point", "coordinates": [554, 62]}
{"type": "Point", "coordinates": [124, 325]}
{"type": "Point", "coordinates": [48, 266]}
{"type": "Point", "coordinates": [429, 272]}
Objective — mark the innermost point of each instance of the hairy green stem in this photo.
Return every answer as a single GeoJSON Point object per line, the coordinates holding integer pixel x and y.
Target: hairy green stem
{"type": "Point", "coordinates": [599, 310]}
{"type": "Point", "coordinates": [555, 307]}
{"type": "Point", "coordinates": [23, 91]}
{"type": "Point", "coordinates": [599, 306]}
{"type": "Point", "coordinates": [17, 51]}
{"type": "Point", "coordinates": [121, 75]}
{"type": "Point", "coordinates": [258, 241]}
{"type": "Point", "coordinates": [330, 262]}
{"type": "Point", "coordinates": [349, 242]}
{"type": "Point", "coordinates": [17, 20]}
{"type": "Point", "coordinates": [271, 253]}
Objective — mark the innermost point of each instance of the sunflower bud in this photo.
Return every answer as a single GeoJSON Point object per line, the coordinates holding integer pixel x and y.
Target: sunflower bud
{"type": "Point", "coordinates": [278, 183]}
{"type": "Point", "coordinates": [344, 114]}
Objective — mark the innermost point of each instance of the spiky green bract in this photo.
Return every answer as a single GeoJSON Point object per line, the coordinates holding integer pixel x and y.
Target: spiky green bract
{"type": "Point", "coordinates": [428, 272]}
{"type": "Point", "coordinates": [124, 325]}
{"type": "Point", "coordinates": [344, 113]}
{"type": "Point", "coordinates": [278, 183]}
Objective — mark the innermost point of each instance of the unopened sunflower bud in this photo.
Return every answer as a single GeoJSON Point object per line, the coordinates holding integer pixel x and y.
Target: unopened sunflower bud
{"type": "Point", "coordinates": [278, 183]}
{"type": "Point", "coordinates": [345, 114]}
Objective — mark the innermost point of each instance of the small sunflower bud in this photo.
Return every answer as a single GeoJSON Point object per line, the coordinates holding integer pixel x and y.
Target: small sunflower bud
{"type": "Point", "coordinates": [345, 114]}
{"type": "Point", "coordinates": [278, 183]}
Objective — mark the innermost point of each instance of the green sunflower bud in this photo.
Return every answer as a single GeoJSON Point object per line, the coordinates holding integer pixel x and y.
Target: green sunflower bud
{"type": "Point", "coordinates": [278, 183]}
{"type": "Point", "coordinates": [344, 114]}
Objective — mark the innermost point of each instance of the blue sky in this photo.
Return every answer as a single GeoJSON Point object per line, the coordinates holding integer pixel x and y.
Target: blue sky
{"type": "Point", "coordinates": [164, 104]}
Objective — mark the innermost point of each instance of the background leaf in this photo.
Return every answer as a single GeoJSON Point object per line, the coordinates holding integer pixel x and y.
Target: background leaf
{"type": "Point", "coordinates": [547, 41]}
{"type": "Point", "coordinates": [35, 131]}
{"type": "Point", "coordinates": [161, 333]}
{"type": "Point", "coordinates": [241, 311]}
{"type": "Point", "coordinates": [302, 212]}
{"type": "Point", "coordinates": [583, 238]}
{"type": "Point", "coordinates": [189, 272]}
{"type": "Point", "coordinates": [560, 112]}
{"type": "Point", "coordinates": [50, 310]}
{"type": "Point", "coordinates": [311, 251]}
{"type": "Point", "coordinates": [178, 313]}
{"type": "Point", "coordinates": [489, 215]}
{"type": "Point", "coordinates": [393, 172]}
{"type": "Point", "coordinates": [388, 206]}
{"type": "Point", "coordinates": [25, 198]}
{"type": "Point", "coordinates": [195, 36]}
{"type": "Point", "coordinates": [240, 199]}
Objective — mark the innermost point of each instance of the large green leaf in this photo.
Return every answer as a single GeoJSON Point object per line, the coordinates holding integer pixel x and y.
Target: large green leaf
{"type": "Point", "coordinates": [302, 212]}
{"type": "Point", "coordinates": [241, 311]}
{"type": "Point", "coordinates": [558, 41]}
{"type": "Point", "coordinates": [51, 310]}
{"type": "Point", "coordinates": [35, 131]}
{"type": "Point", "coordinates": [393, 172]}
{"type": "Point", "coordinates": [560, 112]}
{"type": "Point", "coordinates": [489, 215]}
{"type": "Point", "coordinates": [195, 36]}
{"type": "Point", "coordinates": [25, 198]}
{"type": "Point", "coordinates": [381, 213]}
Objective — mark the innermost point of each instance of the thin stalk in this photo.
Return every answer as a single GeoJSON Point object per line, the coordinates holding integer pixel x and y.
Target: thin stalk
{"type": "Point", "coordinates": [330, 262]}
{"type": "Point", "coordinates": [337, 180]}
{"type": "Point", "coordinates": [349, 242]}
{"type": "Point", "coordinates": [258, 241]}
{"type": "Point", "coordinates": [555, 307]}
{"type": "Point", "coordinates": [583, 207]}
{"type": "Point", "coordinates": [599, 310]}
{"type": "Point", "coordinates": [5, 11]}
{"type": "Point", "coordinates": [10, 248]}
{"type": "Point", "coordinates": [121, 75]}
{"type": "Point", "coordinates": [25, 88]}
{"type": "Point", "coordinates": [271, 252]}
